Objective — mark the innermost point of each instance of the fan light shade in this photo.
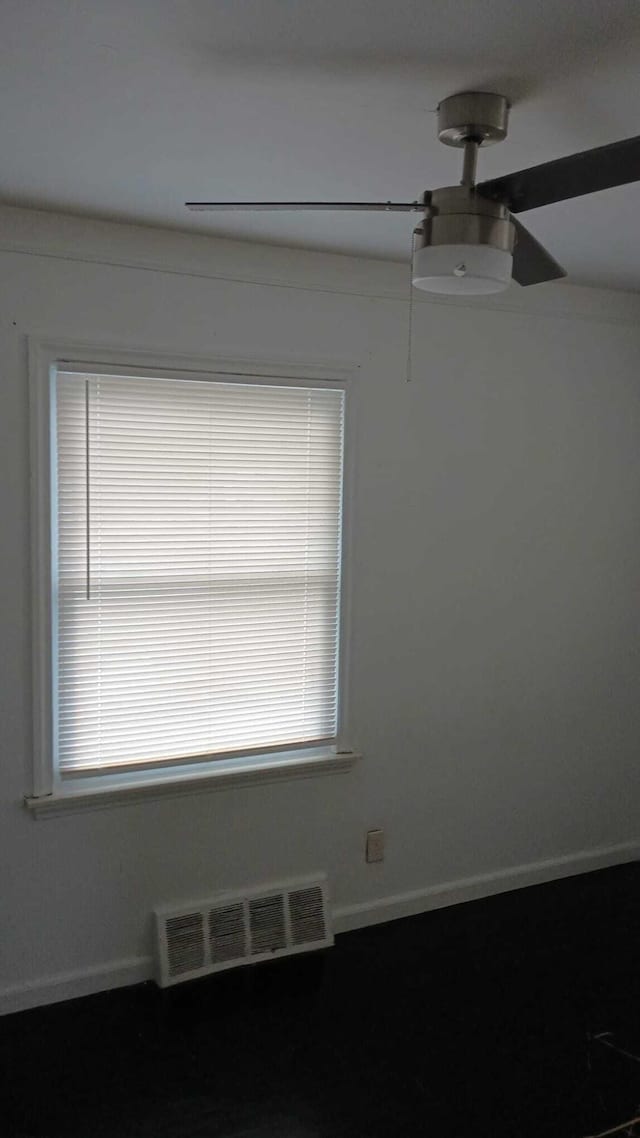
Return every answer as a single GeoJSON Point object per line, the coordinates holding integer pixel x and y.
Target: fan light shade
{"type": "Point", "coordinates": [462, 270]}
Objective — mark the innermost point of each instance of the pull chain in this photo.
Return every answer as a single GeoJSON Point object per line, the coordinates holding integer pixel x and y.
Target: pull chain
{"type": "Point", "coordinates": [409, 333]}
{"type": "Point", "coordinates": [408, 371]}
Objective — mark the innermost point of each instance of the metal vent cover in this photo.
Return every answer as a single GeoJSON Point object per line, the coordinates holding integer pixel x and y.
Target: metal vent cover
{"type": "Point", "coordinates": [307, 915]}
{"type": "Point", "coordinates": [267, 924]}
{"type": "Point", "coordinates": [185, 943]}
{"type": "Point", "coordinates": [227, 937]}
{"type": "Point", "coordinates": [232, 929]}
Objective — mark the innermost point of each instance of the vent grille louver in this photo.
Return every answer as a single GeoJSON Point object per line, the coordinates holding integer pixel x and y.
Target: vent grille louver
{"type": "Point", "coordinates": [185, 943]}
{"type": "Point", "coordinates": [227, 938]}
{"type": "Point", "coordinates": [266, 923]}
{"type": "Point", "coordinates": [231, 930]}
{"type": "Point", "coordinates": [306, 914]}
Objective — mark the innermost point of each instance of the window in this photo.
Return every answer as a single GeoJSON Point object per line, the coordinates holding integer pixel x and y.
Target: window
{"type": "Point", "coordinates": [196, 548]}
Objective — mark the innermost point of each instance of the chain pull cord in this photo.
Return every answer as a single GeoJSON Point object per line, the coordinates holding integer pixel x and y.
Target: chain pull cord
{"type": "Point", "coordinates": [417, 233]}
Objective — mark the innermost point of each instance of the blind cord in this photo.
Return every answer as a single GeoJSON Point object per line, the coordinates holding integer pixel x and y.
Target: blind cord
{"type": "Point", "coordinates": [87, 487]}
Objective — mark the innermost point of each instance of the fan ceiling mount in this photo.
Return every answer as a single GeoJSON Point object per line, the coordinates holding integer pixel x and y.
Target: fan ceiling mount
{"type": "Point", "coordinates": [469, 240]}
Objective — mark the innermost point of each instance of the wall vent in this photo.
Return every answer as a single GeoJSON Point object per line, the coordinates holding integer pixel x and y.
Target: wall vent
{"type": "Point", "coordinates": [228, 930]}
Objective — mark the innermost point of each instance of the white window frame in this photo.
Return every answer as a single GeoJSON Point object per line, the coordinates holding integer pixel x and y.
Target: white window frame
{"type": "Point", "coordinates": [50, 794]}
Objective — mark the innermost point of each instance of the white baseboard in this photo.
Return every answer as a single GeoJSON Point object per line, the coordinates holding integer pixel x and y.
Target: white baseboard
{"type": "Point", "coordinates": [348, 917]}
{"type": "Point", "coordinates": [70, 985]}
{"type": "Point", "coordinates": [122, 973]}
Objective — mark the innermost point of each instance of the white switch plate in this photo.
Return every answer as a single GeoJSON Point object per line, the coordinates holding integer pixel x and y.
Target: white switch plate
{"type": "Point", "coordinates": [375, 845]}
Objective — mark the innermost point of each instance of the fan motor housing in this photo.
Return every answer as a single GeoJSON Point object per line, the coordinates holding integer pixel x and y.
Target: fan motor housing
{"type": "Point", "coordinates": [458, 215]}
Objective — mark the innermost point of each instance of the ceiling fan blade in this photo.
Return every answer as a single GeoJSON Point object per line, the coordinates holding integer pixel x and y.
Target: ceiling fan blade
{"type": "Point", "coordinates": [531, 262]}
{"type": "Point", "coordinates": [584, 173]}
{"type": "Point", "coordinates": [337, 207]}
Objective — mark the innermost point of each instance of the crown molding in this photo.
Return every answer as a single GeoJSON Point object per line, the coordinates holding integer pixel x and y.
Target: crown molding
{"type": "Point", "coordinates": [73, 237]}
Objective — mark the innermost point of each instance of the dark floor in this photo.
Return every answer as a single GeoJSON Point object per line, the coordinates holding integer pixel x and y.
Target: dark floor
{"type": "Point", "coordinates": [474, 1021]}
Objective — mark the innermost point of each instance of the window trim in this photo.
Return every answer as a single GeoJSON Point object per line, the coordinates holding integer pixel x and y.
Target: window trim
{"type": "Point", "coordinates": [49, 793]}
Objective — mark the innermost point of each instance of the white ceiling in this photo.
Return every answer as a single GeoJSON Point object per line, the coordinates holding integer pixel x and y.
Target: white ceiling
{"type": "Point", "coordinates": [126, 108]}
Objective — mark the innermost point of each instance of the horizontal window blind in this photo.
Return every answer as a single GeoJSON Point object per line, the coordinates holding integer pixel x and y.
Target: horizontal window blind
{"type": "Point", "coordinates": [198, 568]}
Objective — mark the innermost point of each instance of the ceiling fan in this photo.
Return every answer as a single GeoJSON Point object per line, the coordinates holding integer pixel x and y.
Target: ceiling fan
{"type": "Point", "coordinates": [469, 241]}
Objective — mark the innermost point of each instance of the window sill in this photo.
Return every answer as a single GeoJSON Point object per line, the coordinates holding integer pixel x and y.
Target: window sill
{"type": "Point", "coordinates": [81, 795]}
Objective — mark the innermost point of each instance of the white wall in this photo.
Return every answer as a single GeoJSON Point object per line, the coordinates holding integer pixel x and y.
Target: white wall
{"type": "Point", "coordinates": [495, 672]}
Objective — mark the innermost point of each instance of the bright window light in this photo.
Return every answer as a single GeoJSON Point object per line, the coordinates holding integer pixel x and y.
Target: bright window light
{"type": "Point", "coordinates": [197, 569]}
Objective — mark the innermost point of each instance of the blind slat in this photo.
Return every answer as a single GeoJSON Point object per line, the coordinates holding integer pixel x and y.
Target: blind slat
{"type": "Point", "coordinates": [198, 568]}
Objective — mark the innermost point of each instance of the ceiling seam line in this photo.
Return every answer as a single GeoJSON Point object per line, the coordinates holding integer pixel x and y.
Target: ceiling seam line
{"type": "Point", "coordinates": [433, 300]}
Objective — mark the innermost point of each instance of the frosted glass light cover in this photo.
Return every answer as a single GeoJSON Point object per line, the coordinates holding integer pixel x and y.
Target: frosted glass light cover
{"type": "Point", "coordinates": [462, 269]}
